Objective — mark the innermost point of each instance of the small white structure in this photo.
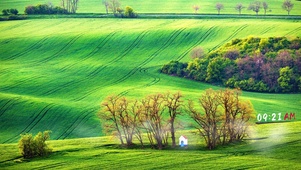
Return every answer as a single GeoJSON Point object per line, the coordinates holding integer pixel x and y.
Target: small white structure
{"type": "Point", "coordinates": [183, 141]}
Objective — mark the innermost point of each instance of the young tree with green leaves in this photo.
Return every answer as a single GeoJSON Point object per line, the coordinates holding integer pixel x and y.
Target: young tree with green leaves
{"type": "Point", "coordinates": [285, 79]}
{"type": "Point", "coordinates": [129, 12]}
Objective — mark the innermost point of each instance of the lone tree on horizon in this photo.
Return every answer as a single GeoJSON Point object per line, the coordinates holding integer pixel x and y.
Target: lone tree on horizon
{"type": "Point", "coordinates": [288, 6]}
{"type": "Point", "coordinates": [265, 7]}
{"type": "Point", "coordinates": [239, 7]}
{"type": "Point", "coordinates": [196, 8]}
{"type": "Point", "coordinates": [255, 6]}
{"type": "Point", "coordinates": [219, 7]}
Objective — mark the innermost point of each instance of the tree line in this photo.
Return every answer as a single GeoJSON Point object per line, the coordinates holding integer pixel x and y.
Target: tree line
{"type": "Point", "coordinates": [255, 6]}
{"type": "Point", "coordinates": [221, 118]}
{"type": "Point", "coordinates": [253, 64]}
{"type": "Point", "coordinates": [45, 9]}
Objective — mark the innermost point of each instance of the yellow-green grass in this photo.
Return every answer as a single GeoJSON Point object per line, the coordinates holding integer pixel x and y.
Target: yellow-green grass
{"type": "Point", "coordinates": [168, 6]}
{"type": "Point", "coordinates": [54, 73]}
{"type": "Point", "coordinates": [270, 146]}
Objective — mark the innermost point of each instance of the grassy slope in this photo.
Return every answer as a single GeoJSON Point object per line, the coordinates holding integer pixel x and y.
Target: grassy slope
{"type": "Point", "coordinates": [167, 6]}
{"type": "Point", "coordinates": [54, 73]}
{"type": "Point", "coordinates": [271, 146]}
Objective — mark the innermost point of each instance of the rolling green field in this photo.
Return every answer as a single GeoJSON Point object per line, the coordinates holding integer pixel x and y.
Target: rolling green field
{"type": "Point", "coordinates": [270, 146]}
{"type": "Point", "coordinates": [167, 6]}
{"type": "Point", "coordinates": [55, 72]}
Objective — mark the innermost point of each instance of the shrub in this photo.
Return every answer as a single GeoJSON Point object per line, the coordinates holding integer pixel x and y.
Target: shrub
{"type": "Point", "coordinates": [5, 11]}
{"type": "Point", "coordinates": [14, 11]}
{"type": "Point", "coordinates": [30, 10]}
{"type": "Point", "coordinates": [129, 12]}
{"type": "Point", "coordinates": [10, 11]}
{"type": "Point", "coordinates": [31, 147]}
{"type": "Point", "coordinates": [44, 9]}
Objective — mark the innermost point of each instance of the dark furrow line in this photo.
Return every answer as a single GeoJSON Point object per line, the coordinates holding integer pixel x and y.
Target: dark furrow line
{"type": "Point", "coordinates": [69, 127]}
{"type": "Point", "coordinates": [94, 51]}
{"type": "Point", "coordinates": [149, 59]}
{"type": "Point", "coordinates": [75, 124]}
{"type": "Point", "coordinates": [2, 112]}
{"type": "Point", "coordinates": [12, 102]}
{"type": "Point", "coordinates": [19, 83]}
{"type": "Point", "coordinates": [56, 89]}
{"type": "Point", "coordinates": [15, 26]}
{"type": "Point", "coordinates": [206, 34]}
{"type": "Point", "coordinates": [173, 36]}
{"type": "Point", "coordinates": [43, 115]}
{"type": "Point", "coordinates": [51, 166]}
{"type": "Point", "coordinates": [126, 51]}
{"type": "Point", "coordinates": [231, 36]}
{"type": "Point", "coordinates": [294, 30]}
{"type": "Point", "coordinates": [32, 47]}
{"type": "Point", "coordinates": [153, 82]}
{"type": "Point", "coordinates": [123, 54]}
{"type": "Point", "coordinates": [84, 118]}
{"type": "Point", "coordinates": [71, 42]}
{"type": "Point", "coordinates": [28, 126]}
{"type": "Point", "coordinates": [267, 30]}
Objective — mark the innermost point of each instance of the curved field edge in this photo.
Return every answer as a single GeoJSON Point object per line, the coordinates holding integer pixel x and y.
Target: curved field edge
{"type": "Point", "coordinates": [270, 146]}
{"type": "Point", "coordinates": [55, 73]}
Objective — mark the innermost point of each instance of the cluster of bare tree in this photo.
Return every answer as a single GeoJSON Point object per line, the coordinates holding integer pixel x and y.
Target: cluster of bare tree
{"type": "Point", "coordinates": [255, 6]}
{"type": "Point", "coordinates": [127, 119]}
{"type": "Point", "coordinates": [225, 118]}
{"type": "Point", "coordinates": [70, 5]}
{"type": "Point", "coordinates": [222, 119]}
{"type": "Point", "coordinates": [113, 5]}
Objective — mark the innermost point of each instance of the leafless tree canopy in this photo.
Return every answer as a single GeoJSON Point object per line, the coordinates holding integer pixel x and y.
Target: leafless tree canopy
{"type": "Point", "coordinates": [114, 5]}
{"type": "Point", "coordinates": [106, 4]}
{"type": "Point", "coordinates": [255, 6]}
{"type": "Point", "coordinates": [196, 8]}
{"type": "Point", "coordinates": [219, 7]}
{"type": "Point", "coordinates": [265, 7]}
{"type": "Point", "coordinates": [197, 52]}
{"type": "Point", "coordinates": [223, 118]}
{"type": "Point", "coordinates": [70, 5]}
{"type": "Point", "coordinates": [126, 119]}
{"type": "Point", "coordinates": [239, 7]}
{"type": "Point", "coordinates": [288, 6]}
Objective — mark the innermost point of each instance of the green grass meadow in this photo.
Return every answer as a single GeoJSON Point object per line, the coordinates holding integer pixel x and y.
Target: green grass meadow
{"type": "Point", "coordinates": [54, 73]}
{"type": "Point", "coordinates": [270, 146]}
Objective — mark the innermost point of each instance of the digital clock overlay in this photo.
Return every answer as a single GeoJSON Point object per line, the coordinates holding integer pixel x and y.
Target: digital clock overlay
{"type": "Point", "coordinates": [275, 117]}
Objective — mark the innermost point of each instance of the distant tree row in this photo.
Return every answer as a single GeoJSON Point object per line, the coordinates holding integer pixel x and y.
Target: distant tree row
{"type": "Point", "coordinates": [44, 9]}
{"type": "Point", "coordinates": [70, 5]}
{"type": "Point", "coordinates": [255, 6]}
{"type": "Point", "coordinates": [10, 11]}
{"type": "Point", "coordinates": [115, 7]}
{"type": "Point", "coordinates": [254, 64]}
{"type": "Point", "coordinates": [223, 117]}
